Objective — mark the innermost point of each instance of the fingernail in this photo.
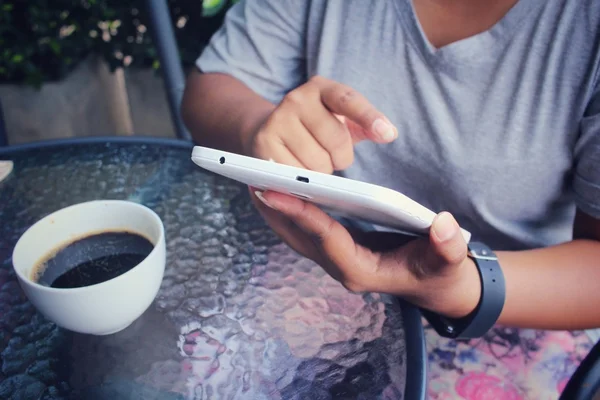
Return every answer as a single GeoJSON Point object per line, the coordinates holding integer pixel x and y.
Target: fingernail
{"type": "Point", "coordinates": [445, 226]}
{"type": "Point", "coordinates": [384, 130]}
{"type": "Point", "coordinates": [6, 168]}
{"type": "Point", "coordinates": [262, 198]}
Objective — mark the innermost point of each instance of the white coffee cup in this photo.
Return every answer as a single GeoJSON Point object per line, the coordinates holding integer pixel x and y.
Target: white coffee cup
{"type": "Point", "coordinates": [103, 308]}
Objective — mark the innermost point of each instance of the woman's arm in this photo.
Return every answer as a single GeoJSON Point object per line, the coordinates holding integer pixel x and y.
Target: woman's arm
{"type": "Point", "coordinates": [552, 288]}
{"type": "Point", "coordinates": [221, 112]}
{"type": "Point", "coordinates": [556, 287]}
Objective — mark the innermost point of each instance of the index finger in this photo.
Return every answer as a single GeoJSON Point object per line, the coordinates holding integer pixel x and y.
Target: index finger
{"type": "Point", "coordinates": [349, 103]}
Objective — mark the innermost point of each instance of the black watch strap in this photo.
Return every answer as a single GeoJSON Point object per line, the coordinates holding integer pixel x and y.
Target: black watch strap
{"type": "Point", "coordinates": [491, 303]}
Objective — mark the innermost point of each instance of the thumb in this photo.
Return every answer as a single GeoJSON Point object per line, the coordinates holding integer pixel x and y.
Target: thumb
{"type": "Point", "coordinates": [446, 239]}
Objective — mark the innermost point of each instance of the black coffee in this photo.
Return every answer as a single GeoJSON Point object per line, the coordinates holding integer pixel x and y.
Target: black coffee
{"type": "Point", "coordinates": [92, 259]}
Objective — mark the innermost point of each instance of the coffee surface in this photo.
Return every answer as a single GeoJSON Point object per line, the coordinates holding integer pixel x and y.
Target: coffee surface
{"type": "Point", "coordinates": [92, 259]}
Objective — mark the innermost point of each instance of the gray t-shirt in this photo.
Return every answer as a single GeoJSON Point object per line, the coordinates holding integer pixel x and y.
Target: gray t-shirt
{"type": "Point", "coordinates": [502, 128]}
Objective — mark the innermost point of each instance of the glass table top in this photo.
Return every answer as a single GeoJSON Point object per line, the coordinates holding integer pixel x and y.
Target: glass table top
{"type": "Point", "coordinates": [239, 315]}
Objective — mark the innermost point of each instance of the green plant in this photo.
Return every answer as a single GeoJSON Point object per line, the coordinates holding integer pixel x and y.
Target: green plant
{"type": "Point", "coordinates": [43, 40]}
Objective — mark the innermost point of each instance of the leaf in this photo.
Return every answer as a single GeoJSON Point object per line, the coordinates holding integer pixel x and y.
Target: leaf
{"type": "Point", "coordinates": [54, 46]}
{"type": "Point", "coordinates": [211, 8]}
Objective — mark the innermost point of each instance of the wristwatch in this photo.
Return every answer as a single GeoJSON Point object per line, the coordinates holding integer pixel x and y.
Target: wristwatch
{"type": "Point", "coordinates": [491, 302]}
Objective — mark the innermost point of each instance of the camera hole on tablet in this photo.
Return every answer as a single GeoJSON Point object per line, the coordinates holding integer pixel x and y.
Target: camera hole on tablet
{"type": "Point", "coordinates": [302, 179]}
{"type": "Point", "coordinates": [222, 160]}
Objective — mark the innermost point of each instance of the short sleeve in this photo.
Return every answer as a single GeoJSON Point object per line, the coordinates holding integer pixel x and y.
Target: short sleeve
{"type": "Point", "coordinates": [261, 43]}
{"type": "Point", "coordinates": [586, 182]}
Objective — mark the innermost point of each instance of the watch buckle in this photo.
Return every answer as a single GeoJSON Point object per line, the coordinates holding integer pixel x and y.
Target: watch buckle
{"type": "Point", "coordinates": [482, 255]}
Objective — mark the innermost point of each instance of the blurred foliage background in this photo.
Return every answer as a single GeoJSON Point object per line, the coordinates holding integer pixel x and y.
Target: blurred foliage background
{"type": "Point", "coordinates": [43, 40]}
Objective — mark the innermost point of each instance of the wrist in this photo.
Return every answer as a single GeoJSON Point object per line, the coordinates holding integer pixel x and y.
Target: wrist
{"type": "Point", "coordinates": [466, 292]}
{"type": "Point", "coordinates": [452, 297]}
{"type": "Point", "coordinates": [491, 299]}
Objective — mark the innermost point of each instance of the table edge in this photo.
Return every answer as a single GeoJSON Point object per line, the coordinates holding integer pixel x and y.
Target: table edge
{"type": "Point", "coordinates": [416, 352]}
{"type": "Point", "coordinates": [64, 142]}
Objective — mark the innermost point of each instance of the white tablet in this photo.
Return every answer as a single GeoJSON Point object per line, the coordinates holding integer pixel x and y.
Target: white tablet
{"type": "Point", "coordinates": [336, 195]}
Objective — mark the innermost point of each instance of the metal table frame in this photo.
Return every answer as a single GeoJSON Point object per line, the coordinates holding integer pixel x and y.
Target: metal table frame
{"type": "Point", "coordinates": [416, 353]}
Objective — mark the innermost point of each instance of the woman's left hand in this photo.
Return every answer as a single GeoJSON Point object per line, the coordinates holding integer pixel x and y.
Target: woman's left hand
{"type": "Point", "coordinates": [433, 273]}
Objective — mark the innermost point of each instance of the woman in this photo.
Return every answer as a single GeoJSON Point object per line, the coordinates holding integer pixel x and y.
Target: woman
{"type": "Point", "coordinates": [486, 111]}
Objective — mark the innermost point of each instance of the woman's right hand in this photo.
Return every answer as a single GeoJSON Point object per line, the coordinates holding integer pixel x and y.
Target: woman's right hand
{"type": "Point", "coordinates": [316, 126]}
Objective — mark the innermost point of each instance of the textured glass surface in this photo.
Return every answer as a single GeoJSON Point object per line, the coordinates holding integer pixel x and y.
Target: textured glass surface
{"type": "Point", "coordinates": [239, 315]}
